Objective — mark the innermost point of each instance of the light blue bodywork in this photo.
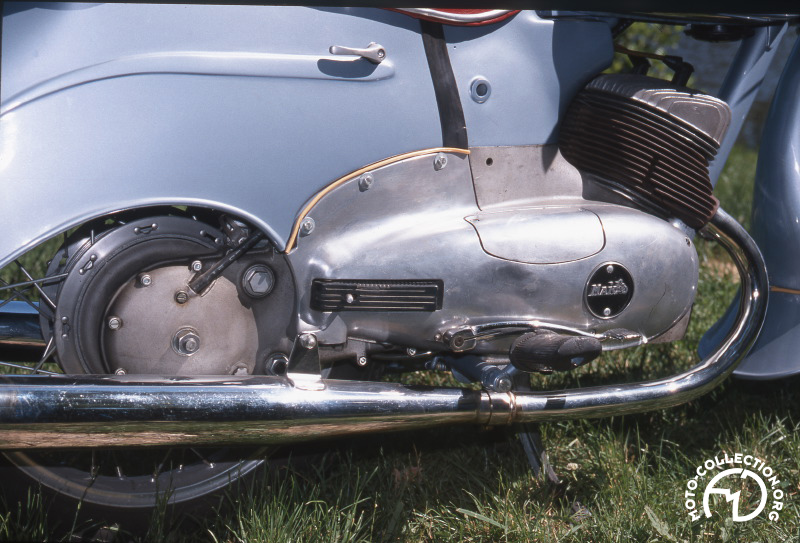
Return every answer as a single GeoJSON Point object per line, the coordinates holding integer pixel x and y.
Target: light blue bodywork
{"type": "Point", "coordinates": [241, 108]}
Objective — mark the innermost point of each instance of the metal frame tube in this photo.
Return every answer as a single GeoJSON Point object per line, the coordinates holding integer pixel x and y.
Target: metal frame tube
{"type": "Point", "coordinates": [103, 411]}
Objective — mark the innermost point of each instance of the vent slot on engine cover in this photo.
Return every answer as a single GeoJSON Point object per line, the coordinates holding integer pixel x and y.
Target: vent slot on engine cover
{"type": "Point", "coordinates": [376, 295]}
{"type": "Point", "coordinates": [649, 138]}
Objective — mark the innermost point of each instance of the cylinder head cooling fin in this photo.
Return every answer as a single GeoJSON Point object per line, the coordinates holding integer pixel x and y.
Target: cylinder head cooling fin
{"type": "Point", "coordinates": [649, 138]}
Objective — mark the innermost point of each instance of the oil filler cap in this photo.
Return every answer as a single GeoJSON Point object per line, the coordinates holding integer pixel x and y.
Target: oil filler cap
{"type": "Point", "coordinates": [609, 290]}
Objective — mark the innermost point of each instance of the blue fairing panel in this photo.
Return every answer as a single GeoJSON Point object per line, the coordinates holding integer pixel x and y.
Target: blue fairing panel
{"type": "Point", "coordinates": [112, 106]}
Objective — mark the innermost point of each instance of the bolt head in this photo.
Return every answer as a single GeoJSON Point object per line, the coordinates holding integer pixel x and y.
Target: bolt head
{"type": "Point", "coordinates": [181, 297]}
{"type": "Point", "coordinates": [362, 361]}
{"type": "Point", "coordinates": [411, 351]}
{"type": "Point", "coordinates": [365, 181]}
{"type": "Point", "coordinates": [307, 226]}
{"type": "Point", "coordinates": [186, 342]}
{"type": "Point", "coordinates": [440, 161]}
{"type": "Point", "coordinates": [120, 371]}
{"type": "Point", "coordinates": [277, 364]}
{"type": "Point", "coordinates": [609, 269]}
{"type": "Point", "coordinates": [197, 266]}
{"type": "Point", "coordinates": [114, 323]}
{"type": "Point", "coordinates": [258, 281]}
{"type": "Point", "coordinates": [349, 298]}
{"type": "Point", "coordinates": [145, 280]}
{"type": "Point", "coordinates": [502, 384]}
{"type": "Point", "coordinates": [190, 344]}
{"type": "Point", "coordinates": [607, 312]}
{"type": "Point", "coordinates": [308, 341]}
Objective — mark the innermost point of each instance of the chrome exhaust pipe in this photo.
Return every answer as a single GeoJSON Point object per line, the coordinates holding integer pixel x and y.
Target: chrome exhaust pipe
{"type": "Point", "coordinates": [103, 411]}
{"type": "Point", "coordinates": [20, 334]}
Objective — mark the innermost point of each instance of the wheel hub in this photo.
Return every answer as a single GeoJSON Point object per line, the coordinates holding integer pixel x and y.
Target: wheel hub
{"type": "Point", "coordinates": [212, 334]}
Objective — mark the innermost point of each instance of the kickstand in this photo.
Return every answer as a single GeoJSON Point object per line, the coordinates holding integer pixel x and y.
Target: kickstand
{"type": "Point", "coordinates": [531, 440]}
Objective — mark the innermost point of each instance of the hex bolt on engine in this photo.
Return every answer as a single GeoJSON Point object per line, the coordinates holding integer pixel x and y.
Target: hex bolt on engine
{"type": "Point", "coordinates": [258, 281]}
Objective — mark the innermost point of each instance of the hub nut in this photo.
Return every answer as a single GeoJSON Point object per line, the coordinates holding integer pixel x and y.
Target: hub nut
{"type": "Point", "coordinates": [186, 342]}
{"type": "Point", "coordinates": [258, 281]}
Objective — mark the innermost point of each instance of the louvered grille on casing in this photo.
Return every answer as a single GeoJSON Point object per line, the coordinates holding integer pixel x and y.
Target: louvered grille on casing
{"type": "Point", "coordinates": [376, 295]}
{"type": "Point", "coordinates": [643, 149]}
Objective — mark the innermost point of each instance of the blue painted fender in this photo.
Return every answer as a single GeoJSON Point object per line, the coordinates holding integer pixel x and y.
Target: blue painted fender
{"type": "Point", "coordinates": [240, 108]}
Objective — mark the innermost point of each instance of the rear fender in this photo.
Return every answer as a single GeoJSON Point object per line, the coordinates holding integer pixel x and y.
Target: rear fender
{"type": "Point", "coordinates": [120, 106]}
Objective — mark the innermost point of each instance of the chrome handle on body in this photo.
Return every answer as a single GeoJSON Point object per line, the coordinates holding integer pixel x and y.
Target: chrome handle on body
{"type": "Point", "coordinates": [374, 52]}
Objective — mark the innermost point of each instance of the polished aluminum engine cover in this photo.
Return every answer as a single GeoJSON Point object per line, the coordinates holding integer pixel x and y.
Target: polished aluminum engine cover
{"type": "Point", "coordinates": [517, 243]}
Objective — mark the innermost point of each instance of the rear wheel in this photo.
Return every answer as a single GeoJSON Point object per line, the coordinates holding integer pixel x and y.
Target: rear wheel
{"type": "Point", "coordinates": [122, 305]}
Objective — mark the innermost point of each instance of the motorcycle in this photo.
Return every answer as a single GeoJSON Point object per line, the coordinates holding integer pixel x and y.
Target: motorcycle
{"type": "Point", "coordinates": [233, 225]}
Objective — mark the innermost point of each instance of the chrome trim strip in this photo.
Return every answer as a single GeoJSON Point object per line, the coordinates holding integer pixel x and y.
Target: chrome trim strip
{"type": "Point", "coordinates": [462, 18]}
{"type": "Point", "coordinates": [92, 411]}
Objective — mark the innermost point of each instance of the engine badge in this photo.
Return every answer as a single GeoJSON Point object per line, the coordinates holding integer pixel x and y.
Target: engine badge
{"type": "Point", "coordinates": [609, 290]}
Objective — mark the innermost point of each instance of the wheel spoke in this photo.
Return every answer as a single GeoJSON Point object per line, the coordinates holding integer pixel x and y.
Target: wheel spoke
{"type": "Point", "coordinates": [32, 282]}
{"type": "Point", "coordinates": [36, 284]}
{"type": "Point", "coordinates": [201, 457]}
{"type": "Point", "coordinates": [27, 368]}
{"type": "Point", "coordinates": [48, 352]}
{"type": "Point", "coordinates": [18, 294]}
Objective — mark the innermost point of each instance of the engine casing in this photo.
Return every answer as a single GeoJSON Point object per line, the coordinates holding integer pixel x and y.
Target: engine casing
{"type": "Point", "coordinates": [507, 236]}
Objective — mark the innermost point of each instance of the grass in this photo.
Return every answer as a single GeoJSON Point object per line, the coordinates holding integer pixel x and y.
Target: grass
{"type": "Point", "coordinates": [623, 478]}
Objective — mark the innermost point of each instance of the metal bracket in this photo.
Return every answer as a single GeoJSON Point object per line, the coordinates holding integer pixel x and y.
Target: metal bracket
{"type": "Point", "coordinates": [304, 370]}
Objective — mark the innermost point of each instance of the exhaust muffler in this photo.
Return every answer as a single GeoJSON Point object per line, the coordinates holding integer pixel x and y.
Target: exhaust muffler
{"type": "Point", "coordinates": [61, 411]}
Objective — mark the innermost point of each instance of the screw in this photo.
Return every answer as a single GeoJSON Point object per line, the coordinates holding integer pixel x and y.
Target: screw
{"type": "Point", "coordinates": [307, 226]}
{"type": "Point", "coordinates": [308, 341]}
{"type": "Point", "coordinates": [240, 369]}
{"type": "Point", "coordinates": [609, 269]}
{"type": "Point", "coordinates": [381, 54]}
{"type": "Point", "coordinates": [145, 280]}
{"type": "Point", "coordinates": [440, 161]}
{"type": "Point", "coordinates": [258, 281]}
{"type": "Point", "coordinates": [120, 371]}
{"type": "Point", "coordinates": [114, 323]}
{"type": "Point", "coordinates": [607, 312]}
{"type": "Point", "coordinates": [197, 266]}
{"type": "Point", "coordinates": [349, 298]}
{"type": "Point", "coordinates": [181, 297]}
{"type": "Point", "coordinates": [411, 351]}
{"type": "Point", "coordinates": [362, 361]}
{"type": "Point", "coordinates": [365, 182]}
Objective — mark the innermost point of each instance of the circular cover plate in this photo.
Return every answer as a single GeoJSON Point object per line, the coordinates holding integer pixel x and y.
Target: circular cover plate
{"type": "Point", "coordinates": [609, 290]}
